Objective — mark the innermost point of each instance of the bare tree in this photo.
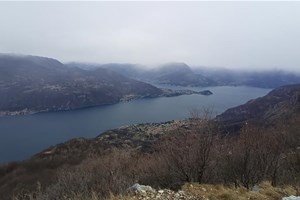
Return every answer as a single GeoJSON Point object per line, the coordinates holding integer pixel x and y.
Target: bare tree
{"type": "Point", "coordinates": [254, 155]}
{"type": "Point", "coordinates": [188, 153]}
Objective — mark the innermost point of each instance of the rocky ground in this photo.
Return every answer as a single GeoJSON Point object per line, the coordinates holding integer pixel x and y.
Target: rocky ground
{"type": "Point", "coordinates": [193, 191]}
{"type": "Point", "coordinates": [142, 192]}
{"type": "Point", "coordinates": [291, 198]}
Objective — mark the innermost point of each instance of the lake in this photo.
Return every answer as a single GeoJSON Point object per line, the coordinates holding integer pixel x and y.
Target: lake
{"type": "Point", "coordinates": [23, 136]}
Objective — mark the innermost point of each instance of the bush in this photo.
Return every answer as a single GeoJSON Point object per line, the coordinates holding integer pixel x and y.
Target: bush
{"type": "Point", "coordinates": [99, 176]}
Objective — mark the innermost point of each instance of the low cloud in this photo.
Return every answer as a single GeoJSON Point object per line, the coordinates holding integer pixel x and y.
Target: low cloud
{"type": "Point", "coordinates": [244, 35]}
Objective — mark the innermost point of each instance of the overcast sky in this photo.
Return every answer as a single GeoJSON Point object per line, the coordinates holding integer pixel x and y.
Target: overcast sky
{"type": "Point", "coordinates": [245, 35]}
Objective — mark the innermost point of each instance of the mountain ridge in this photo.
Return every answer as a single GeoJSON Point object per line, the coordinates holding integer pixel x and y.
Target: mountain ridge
{"type": "Point", "coordinates": [180, 74]}
{"type": "Point", "coordinates": [31, 84]}
{"type": "Point", "coordinates": [280, 103]}
{"type": "Point", "coordinates": [143, 139]}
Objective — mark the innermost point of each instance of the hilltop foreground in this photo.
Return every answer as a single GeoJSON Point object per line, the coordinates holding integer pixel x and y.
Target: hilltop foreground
{"type": "Point", "coordinates": [200, 156]}
{"type": "Point", "coordinates": [195, 191]}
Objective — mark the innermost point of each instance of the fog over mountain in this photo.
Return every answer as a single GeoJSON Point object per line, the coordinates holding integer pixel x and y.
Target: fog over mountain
{"type": "Point", "coordinates": [239, 35]}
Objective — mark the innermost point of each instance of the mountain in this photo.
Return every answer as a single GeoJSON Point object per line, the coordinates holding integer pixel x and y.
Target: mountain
{"type": "Point", "coordinates": [177, 74]}
{"type": "Point", "coordinates": [181, 74]}
{"type": "Point", "coordinates": [128, 70]}
{"type": "Point", "coordinates": [280, 104]}
{"type": "Point", "coordinates": [31, 84]}
{"type": "Point", "coordinates": [271, 79]}
{"type": "Point", "coordinates": [261, 79]}
{"type": "Point", "coordinates": [148, 153]}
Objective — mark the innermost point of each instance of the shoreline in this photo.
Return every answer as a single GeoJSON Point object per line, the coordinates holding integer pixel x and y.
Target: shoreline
{"type": "Point", "coordinates": [125, 98]}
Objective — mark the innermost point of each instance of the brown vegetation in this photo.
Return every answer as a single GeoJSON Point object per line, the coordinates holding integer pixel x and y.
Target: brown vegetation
{"type": "Point", "coordinates": [197, 153]}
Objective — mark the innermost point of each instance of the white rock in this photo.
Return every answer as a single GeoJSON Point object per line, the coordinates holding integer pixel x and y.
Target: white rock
{"type": "Point", "coordinates": [137, 188]}
{"type": "Point", "coordinates": [255, 188]}
{"type": "Point", "coordinates": [181, 192]}
{"type": "Point", "coordinates": [291, 198]}
{"type": "Point", "coordinates": [160, 191]}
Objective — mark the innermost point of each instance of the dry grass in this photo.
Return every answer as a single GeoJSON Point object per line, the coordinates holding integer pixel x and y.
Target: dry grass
{"type": "Point", "coordinates": [216, 192]}
{"type": "Point", "coordinates": [207, 192]}
{"type": "Point", "coordinates": [173, 161]}
{"type": "Point", "coordinates": [124, 198]}
{"type": "Point", "coordinates": [220, 192]}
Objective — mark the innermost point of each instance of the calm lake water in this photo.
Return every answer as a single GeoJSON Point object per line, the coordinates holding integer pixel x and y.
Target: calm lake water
{"type": "Point", "coordinates": [23, 136]}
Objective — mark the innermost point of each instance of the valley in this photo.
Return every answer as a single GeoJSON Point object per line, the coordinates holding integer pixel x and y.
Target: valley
{"type": "Point", "coordinates": [129, 120]}
{"type": "Point", "coordinates": [149, 100]}
{"type": "Point", "coordinates": [33, 133]}
{"type": "Point", "coordinates": [183, 143]}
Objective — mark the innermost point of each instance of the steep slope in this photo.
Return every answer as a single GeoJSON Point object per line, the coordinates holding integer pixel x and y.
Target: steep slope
{"type": "Point", "coordinates": [33, 84]}
{"type": "Point", "coordinates": [280, 103]}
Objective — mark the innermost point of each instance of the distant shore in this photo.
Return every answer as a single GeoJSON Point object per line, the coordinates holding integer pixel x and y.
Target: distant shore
{"type": "Point", "coordinates": [125, 98]}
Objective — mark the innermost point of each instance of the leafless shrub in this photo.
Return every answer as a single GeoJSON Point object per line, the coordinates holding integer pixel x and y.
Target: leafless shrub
{"type": "Point", "coordinates": [253, 156]}
{"type": "Point", "coordinates": [101, 176]}
{"type": "Point", "coordinates": [185, 156]}
{"type": "Point", "coordinates": [195, 153]}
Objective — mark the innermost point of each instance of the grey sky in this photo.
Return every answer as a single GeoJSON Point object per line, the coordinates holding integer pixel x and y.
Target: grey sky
{"type": "Point", "coordinates": [230, 34]}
